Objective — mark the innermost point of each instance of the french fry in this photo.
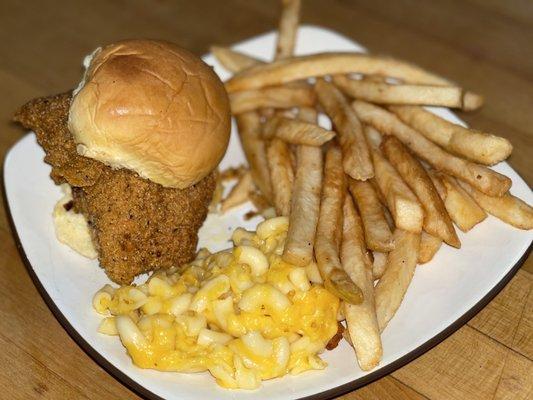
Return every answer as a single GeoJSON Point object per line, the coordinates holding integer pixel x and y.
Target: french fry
{"type": "Point", "coordinates": [330, 63]}
{"type": "Point", "coordinates": [327, 238]}
{"type": "Point", "coordinates": [379, 264]}
{"type": "Point", "coordinates": [239, 194]}
{"type": "Point", "coordinates": [361, 318]}
{"type": "Point", "coordinates": [472, 101]}
{"type": "Point", "coordinates": [402, 94]}
{"type": "Point", "coordinates": [273, 97]}
{"type": "Point", "coordinates": [373, 137]}
{"type": "Point", "coordinates": [508, 208]}
{"type": "Point", "coordinates": [482, 178]}
{"type": "Point", "coordinates": [267, 113]}
{"type": "Point", "coordinates": [390, 289]}
{"type": "Point", "coordinates": [233, 60]}
{"type": "Point", "coordinates": [232, 173]}
{"type": "Point", "coordinates": [429, 245]}
{"type": "Point", "coordinates": [305, 206]}
{"type": "Point", "coordinates": [288, 28]}
{"type": "Point", "coordinates": [388, 217]}
{"type": "Point", "coordinates": [402, 203]}
{"type": "Point", "coordinates": [380, 195]}
{"type": "Point", "coordinates": [355, 153]}
{"type": "Point", "coordinates": [217, 195]}
{"type": "Point", "coordinates": [260, 202]}
{"type": "Point", "coordinates": [437, 222]}
{"type": "Point", "coordinates": [461, 207]}
{"type": "Point", "coordinates": [353, 233]}
{"type": "Point", "coordinates": [378, 235]}
{"type": "Point", "coordinates": [297, 131]}
{"type": "Point", "coordinates": [254, 149]}
{"type": "Point", "coordinates": [436, 178]}
{"type": "Point", "coordinates": [308, 114]}
{"type": "Point", "coordinates": [279, 154]}
{"type": "Point", "coordinates": [476, 146]}
{"type": "Point", "coordinates": [252, 145]}
{"type": "Point", "coordinates": [281, 173]}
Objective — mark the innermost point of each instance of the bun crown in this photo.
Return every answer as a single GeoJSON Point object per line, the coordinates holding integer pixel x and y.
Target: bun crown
{"type": "Point", "coordinates": [154, 108]}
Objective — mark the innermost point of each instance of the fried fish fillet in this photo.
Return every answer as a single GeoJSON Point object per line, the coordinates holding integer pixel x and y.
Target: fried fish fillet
{"type": "Point", "coordinates": [136, 225]}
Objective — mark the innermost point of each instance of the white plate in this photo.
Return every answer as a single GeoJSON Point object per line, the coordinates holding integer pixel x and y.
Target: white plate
{"type": "Point", "coordinates": [444, 294]}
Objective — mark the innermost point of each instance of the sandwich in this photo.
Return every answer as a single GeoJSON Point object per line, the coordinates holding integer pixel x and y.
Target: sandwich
{"type": "Point", "coordinates": [136, 147]}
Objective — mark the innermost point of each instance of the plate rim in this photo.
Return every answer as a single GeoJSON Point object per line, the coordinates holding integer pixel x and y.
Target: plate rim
{"type": "Point", "coordinates": [142, 391]}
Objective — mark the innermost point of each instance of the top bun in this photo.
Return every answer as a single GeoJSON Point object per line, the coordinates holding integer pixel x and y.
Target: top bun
{"type": "Point", "coordinates": [154, 108]}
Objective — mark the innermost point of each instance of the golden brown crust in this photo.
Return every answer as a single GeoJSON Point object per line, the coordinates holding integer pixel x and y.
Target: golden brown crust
{"type": "Point", "coordinates": [137, 225]}
{"type": "Point", "coordinates": [154, 108]}
{"type": "Point", "coordinates": [47, 117]}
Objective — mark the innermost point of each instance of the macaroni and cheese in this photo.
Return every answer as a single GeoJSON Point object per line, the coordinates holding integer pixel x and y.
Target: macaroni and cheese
{"type": "Point", "coordinates": [242, 314]}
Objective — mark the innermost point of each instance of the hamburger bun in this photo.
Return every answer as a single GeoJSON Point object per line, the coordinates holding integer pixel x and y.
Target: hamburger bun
{"type": "Point", "coordinates": [154, 108]}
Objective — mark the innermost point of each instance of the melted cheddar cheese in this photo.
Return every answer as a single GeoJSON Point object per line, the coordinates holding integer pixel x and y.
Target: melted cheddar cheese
{"type": "Point", "coordinates": [242, 314]}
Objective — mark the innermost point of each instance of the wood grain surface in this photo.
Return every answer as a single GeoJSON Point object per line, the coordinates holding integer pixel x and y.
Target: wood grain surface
{"type": "Point", "coordinates": [484, 45]}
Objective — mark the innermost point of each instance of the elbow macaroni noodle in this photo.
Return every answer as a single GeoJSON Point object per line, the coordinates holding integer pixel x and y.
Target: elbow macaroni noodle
{"type": "Point", "coordinates": [242, 314]}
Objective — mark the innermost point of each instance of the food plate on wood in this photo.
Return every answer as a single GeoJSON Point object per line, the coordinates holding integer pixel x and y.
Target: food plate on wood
{"type": "Point", "coordinates": [443, 295]}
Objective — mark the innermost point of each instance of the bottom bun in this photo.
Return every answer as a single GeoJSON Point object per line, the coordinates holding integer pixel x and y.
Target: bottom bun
{"type": "Point", "coordinates": [72, 228]}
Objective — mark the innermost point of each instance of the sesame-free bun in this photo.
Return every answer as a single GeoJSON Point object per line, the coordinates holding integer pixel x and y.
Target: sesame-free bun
{"type": "Point", "coordinates": [71, 227]}
{"type": "Point", "coordinates": [154, 108]}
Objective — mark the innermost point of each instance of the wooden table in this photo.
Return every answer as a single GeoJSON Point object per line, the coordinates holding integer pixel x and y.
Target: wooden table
{"type": "Point", "coordinates": [485, 45]}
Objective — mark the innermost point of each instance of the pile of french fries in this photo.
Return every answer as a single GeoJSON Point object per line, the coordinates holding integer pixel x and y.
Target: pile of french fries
{"type": "Point", "coordinates": [381, 191]}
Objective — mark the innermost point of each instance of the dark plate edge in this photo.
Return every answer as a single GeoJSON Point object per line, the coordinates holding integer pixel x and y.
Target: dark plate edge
{"type": "Point", "coordinates": [426, 346]}
{"type": "Point", "coordinates": [327, 394]}
{"type": "Point", "coordinates": [73, 333]}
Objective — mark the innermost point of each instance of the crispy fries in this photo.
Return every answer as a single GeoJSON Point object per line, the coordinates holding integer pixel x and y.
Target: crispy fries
{"type": "Point", "coordinates": [508, 208]}
{"type": "Point", "coordinates": [296, 131]}
{"type": "Point", "coordinates": [373, 196]}
{"type": "Point", "coordinates": [429, 245]}
{"type": "Point", "coordinates": [381, 198]}
{"type": "Point", "coordinates": [437, 222]}
{"type": "Point", "coordinates": [305, 206]}
{"type": "Point", "coordinates": [232, 60]}
{"type": "Point", "coordinates": [239, 194]}
{"type": "Point", "coordinates": [259, 201]}
{"type": "Point", "coordinates": [378, 235]}
{"type": "Point", "coordinates": [462, 208]}
{"type": "Point", "coordinates": [273, 97]}
{"type": "Point", "coordinates": [249, 128]}
{"type": "Point", "coordinates": [379, 264]}
{"type": "Point", "coordinates": [308, 114]}
{"type": "Point", "coordinates": [282, 175]}
{"type": "Point", "coordinates": [476, 146]}
{"type": "Point", "coordinates": [231, 173]}
{"type": "Point", "coordinates": [482, 178]}
{"type": "Point", "coordinates": [402, 94]}
{"type": "Point", "coordinates": [327, 233]}
{"type": "Point", "coordinates": [402, 203]}
{"type": "Point", "coordinates": [436, 178]}
{"type": "Point", "coordinates": [384, 155]}
{"type": "Point", "coordinates": [279, 153]}
{"type": "Point", "coordinates": [217, 195]}
{"type": "Point", "coordinates": [361, 318]}
{"type": "Point", "coordinates": [356, 156]}
{"type": "Point", "coordinates": [472, 101]}
{"type": "Point", "coordinates": [373, 137]}
{"type": "Point", "coordinates": [288, 28]}
{"type": "Point", "coordinates": [331, 63]}
{"type": "Point", "coordinates": [391, 288]}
